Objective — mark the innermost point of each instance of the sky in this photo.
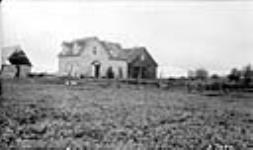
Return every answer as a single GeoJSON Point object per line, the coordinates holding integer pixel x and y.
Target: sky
{"type": "Point", "coordinates": [180, 35]}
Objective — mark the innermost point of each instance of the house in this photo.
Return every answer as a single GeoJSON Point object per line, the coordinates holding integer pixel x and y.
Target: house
{"type": "Point", "coordinates": [92, 57]}
{"type": "Point", "coordinates": [15, 63]}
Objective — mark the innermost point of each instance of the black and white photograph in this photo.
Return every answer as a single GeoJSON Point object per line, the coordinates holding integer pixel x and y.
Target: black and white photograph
{"type": "Point", "coordinates": [126, 74]}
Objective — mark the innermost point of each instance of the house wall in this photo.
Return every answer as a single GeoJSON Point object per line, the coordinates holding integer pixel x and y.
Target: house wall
{"type": "Point", "coordinates": [152, 72]}
{"type": "Point", "coordinates": [82, 65]}
{"type": "Point", "coordinates": [69, 65]}
{"type": "Point", "coordinates": [9, 71]}
{"type": "Point", "coordinates": [116, 66]}
{"type": "Point", "coordinates": [24, 70]}
{"type": "Point", "coordinates": [146, 72]}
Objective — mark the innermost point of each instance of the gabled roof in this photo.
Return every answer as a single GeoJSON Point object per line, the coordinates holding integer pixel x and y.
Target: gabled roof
{"type": "Point", "coordinates": [131, 54]}
{"type": "Point", "coordinates": [115, 51]}
{"type": "Point", "coordinates": [111, 48]}
{"type": "Point", "coordinates": [70, 45]}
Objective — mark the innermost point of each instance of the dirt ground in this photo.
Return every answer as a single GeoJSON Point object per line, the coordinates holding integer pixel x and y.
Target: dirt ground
{"type": "Point", "coordinates": [121, 116]}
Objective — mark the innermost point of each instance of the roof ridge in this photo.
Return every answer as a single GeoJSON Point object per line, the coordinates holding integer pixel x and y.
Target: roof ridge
{"type": "Point", "coordinates": [86, 38]}
{"type": "Point", "coordinates": [110, 42]}
{"type": "Point", "coordinates": [80, 40]}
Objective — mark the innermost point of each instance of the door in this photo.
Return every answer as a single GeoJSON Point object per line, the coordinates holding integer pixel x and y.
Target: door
{"type": "Point", "coordinates": [96, 65]}
{"type": "Point", "coordinates": [97, 70]}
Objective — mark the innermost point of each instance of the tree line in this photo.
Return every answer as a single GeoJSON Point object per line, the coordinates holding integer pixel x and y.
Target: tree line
{"type": "Point", "coordinates": [240, 77]}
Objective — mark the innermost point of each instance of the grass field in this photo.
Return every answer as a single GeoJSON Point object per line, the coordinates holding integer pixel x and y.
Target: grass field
{"type": "Point", "coordinates": [36, 114]}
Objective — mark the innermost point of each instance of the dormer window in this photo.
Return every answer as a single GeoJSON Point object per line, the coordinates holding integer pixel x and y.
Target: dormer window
{"type": "Point", "coordinates": [142, 57]}
{"type": "Point", "coordinates": [94, 50]}
{"type": "Point", "coordinates": [76, 48]}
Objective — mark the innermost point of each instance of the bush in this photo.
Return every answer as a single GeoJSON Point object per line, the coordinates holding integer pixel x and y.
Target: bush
{"type": "Point", "coordinates": [82, 76]}
{"type": "Point", "coordinates": [110, 73]}
{"type": "Point", "coordinates": [31, 75]}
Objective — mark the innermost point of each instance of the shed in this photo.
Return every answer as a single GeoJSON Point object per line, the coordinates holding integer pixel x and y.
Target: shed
{"type": "Point", "coordinates": [16, 63]}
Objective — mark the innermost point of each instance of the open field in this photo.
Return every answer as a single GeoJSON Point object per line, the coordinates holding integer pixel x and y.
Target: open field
{"type": "Point", "coordinates": [39, 114]}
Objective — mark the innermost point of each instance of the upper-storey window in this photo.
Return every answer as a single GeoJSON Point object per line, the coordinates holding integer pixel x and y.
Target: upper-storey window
{"type": "Point", "coordinates": [94, 51]}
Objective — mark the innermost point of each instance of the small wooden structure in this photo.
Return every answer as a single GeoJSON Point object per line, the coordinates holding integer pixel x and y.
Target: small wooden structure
{"type": "Point", "coordinates": [18, 65]}
{"type": "Point", "coordinates": [141, 65]}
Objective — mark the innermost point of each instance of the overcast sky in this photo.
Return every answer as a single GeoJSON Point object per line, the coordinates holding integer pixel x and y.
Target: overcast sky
{"type": "Point", "coordinates": [216, 35]}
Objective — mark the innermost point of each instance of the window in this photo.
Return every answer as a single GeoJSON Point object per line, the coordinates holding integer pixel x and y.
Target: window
{"type": "Point", "coordinates": [142, 57]}
{"type": "Point", "coordinates": [120, 72]}
{"type": "Point", "coordinates": [94, 50]}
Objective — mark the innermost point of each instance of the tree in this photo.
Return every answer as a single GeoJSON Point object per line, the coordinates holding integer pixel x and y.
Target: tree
{"type": "Point", "coordinates": [234, 75]}
{"type": "Point", "coordinates": [215, 76]}
{"type": "Point", "coordinates": [247, 74]}
{"type": "Point", "coordinates": [19, 58]}
{"type": "Point", "coordinates": [201, 74]}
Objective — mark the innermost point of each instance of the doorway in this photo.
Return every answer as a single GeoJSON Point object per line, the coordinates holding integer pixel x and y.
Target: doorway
{"type": "Point", "coordinates": [96, 70]}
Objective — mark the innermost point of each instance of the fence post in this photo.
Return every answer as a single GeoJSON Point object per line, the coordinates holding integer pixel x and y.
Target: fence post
{"type": "Point", "coordinates": [139, 76]}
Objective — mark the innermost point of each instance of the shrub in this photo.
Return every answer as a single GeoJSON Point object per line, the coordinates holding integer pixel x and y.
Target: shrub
{"type": "Point", "coordinates": [82, 76]}
{"type": "Point", "coordinates": [110, 73]}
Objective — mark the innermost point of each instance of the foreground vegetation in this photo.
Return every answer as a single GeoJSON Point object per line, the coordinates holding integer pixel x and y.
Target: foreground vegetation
{"type": "Point", "coordinates": [36, 114]}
